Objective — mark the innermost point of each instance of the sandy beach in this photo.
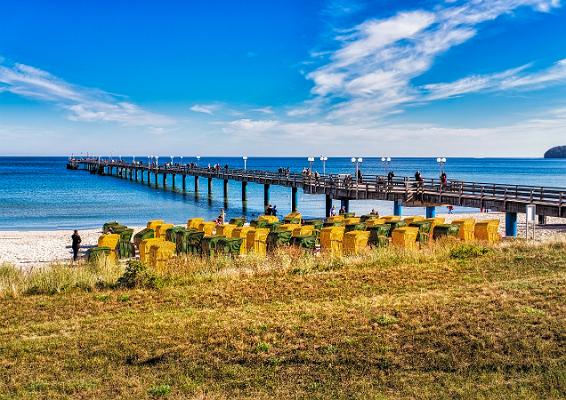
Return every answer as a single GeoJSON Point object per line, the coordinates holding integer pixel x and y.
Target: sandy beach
{"type": "Point", "coordinates": [35, 248]}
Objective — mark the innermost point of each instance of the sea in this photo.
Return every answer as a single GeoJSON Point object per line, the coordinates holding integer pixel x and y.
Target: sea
{"type": "Point", "coordinates": [39, 193]}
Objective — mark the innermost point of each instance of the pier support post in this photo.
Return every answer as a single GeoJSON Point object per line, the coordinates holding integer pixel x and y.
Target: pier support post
{"type": "Point", "coordinates": [184, 183]}
{"type": "Point", "coordinates": [511, 224]}
{"type": "Point", "coordinates": [328, 205]}
{"type": "Point", "coordinates": [265, 195]}
{"type": "Point", "coordinates": [173, 180]}
{"type": "Point", "coordinates": [244, 191]}
{"type": "Point", "coordinates": [209, 186]}
{"type": "Point", "coordinates": [346, 204]}
{"type": "Point", "coordinates": [225, 189]}
{"type": "Point", "coordinates": [156, 178]}
{"type": "Point", "coordinates": [397, 208]}
{"type": "Point", "coordinates": [164, 180]}
{"type": "Point", "coordinates": [431, 212]}
{"type": "Point", "coordinates": [149, 177]}
{"type": "Point", "coordinates": [196, 184]}
{"type": "Point", "coordinates": [294, 199]}
{"type": "Point", "coordinates": [141, 173]}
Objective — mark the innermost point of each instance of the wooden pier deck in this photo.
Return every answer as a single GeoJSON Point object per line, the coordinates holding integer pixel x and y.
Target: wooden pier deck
{"type": "Point", "coordinates": [549, 201]}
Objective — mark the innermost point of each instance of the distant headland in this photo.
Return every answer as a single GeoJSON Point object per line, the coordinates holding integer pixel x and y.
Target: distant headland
{"type": "Point", "coordinates": [556, 152]}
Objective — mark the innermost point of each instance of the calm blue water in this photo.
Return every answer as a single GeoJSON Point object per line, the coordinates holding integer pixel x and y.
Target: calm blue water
{"type": "Point", "coordinates": [39, 193]}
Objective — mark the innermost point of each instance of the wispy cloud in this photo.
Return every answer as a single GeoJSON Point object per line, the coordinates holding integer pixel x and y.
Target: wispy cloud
{"type": "Point", "coordinates": [263, 110]}
{"type": "Point", "coordinates": [369, 74]}
{"type": "Point", "coordinates": [83, 104]}
{"type": "Point", "coordinates": [517, 78]}
{"type": "Point", "coordinates": [251, 135]}
{"type": "Point", "coordinates": [209, 109]}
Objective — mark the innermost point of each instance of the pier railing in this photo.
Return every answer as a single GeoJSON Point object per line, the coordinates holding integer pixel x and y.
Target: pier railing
{"type": "Point", "coordinates": [502, 197]}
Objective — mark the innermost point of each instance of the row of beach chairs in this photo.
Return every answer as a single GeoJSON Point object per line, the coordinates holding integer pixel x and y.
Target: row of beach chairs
{"type": "Point", "coordinates": [339, 235]}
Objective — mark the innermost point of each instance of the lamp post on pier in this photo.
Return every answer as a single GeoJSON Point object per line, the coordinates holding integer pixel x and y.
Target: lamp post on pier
{"type": "Point", "coordinates": [311, 160]}
{"type": "Point", "coordinates": [357, 162]}
{"type": "Point", "coordinates": [386, 161]}
{"type": "Point", "coordinates": [245, 158]}
{"type": "Point", "coordinates": [198, 159]}
{"type": "Point", "coordinates": [441, 161]}
{"type": "Point", "coordinates": [324, 159]}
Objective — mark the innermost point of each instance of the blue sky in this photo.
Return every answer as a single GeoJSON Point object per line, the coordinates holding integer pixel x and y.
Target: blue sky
{"type": "Point", "coordinates": [334, 77]}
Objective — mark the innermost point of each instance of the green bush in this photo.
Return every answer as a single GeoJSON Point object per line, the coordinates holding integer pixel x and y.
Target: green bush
{"type": "Point", "coordinates": [159, 390]}
{"type": "Point", "coordinates": [466, 251]}
{"type": "Point", "coordinates": [137, 275]}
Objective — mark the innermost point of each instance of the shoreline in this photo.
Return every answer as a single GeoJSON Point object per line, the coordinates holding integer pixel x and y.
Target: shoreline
{"type": "Point", "coordinates": [35, 248]}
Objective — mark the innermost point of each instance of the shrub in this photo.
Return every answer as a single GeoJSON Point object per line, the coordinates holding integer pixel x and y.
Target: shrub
{"type": "Point", "coordinates": [466, 251]}
{"type": "Point", "coordinates": [159, 390]}
{"type": "Point", "coordinates": [137, 275]}
{"type": "Point", "coordinates": [384, 320]}
{"type": "Point", "coordinates": [262, 347]}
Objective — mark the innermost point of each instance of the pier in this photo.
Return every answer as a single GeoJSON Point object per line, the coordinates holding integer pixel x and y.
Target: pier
{"type": "Point", "coordinates": [402, 191]}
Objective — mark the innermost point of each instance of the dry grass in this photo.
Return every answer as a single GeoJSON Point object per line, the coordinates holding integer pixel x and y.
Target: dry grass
{"type": "Point", "coordinates": [438, 323]}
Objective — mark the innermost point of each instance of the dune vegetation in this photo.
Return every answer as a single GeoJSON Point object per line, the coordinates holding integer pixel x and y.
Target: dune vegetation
{"type": "Point", "coordinates": [455, 321]}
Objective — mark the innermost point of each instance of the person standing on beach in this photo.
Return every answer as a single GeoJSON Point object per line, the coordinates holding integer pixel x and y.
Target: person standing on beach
{"type": "Point", "coordinates": [76, 244]}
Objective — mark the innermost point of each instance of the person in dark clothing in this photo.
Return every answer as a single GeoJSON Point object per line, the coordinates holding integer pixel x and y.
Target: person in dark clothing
{"type": "Point", "coordinates": [418, 179]}
{"type": "Point", "coordinates": [390, 176]}
{"type": "Point", "coordinates": [76, 244]}
{"type": "Point", "coordinates": [274, 211]}
{"type": "Point", "coordinates": [359, 176]}
{"type": "Point", "coordinates": [443, 179]}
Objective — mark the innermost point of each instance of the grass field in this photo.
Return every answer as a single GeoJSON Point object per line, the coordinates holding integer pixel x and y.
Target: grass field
{"type": "Point", "coordinates": [449, 322]}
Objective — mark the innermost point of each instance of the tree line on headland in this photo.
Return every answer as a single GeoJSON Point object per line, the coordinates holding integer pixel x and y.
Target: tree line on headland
{"type": "Point", "coordinates": [556, 152]}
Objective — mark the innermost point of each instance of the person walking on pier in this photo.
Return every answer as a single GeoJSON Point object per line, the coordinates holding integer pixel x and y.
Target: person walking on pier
{"type": "Point", "coordinates": [443, 180]}
{"type": "Point", "coordinates": [76, 244]}
{"type": "Point", "coordinates": [332, 211]}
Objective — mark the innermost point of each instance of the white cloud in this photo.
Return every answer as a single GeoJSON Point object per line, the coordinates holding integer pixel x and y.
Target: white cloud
{"type": "Point", "coordinates": [517, 78]}
{"type": "Point", "coordinates": [209, 109]}
{"type": "Point", "coordinates": [370, 73]}
{"type": "Point", "coordinates": [264, 110]}
{"type": "Point", "coordinates": [83, 104]}
{"type": "Point", "coordinates": [345, 138]}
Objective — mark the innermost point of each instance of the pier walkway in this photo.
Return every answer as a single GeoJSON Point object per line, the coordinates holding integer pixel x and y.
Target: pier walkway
{"type": "Point", "coordinates": [403, 191]}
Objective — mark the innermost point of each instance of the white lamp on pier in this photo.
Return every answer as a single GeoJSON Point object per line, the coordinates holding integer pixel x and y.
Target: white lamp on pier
{"type": "Point", "coordinates": [324, 159]}
{"type": "Point", "coordinates": [357, 161]}
{"type": "Point", "coordinates": [311, 160]}
{"type": "Point", "coordinates": [441, 163]}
